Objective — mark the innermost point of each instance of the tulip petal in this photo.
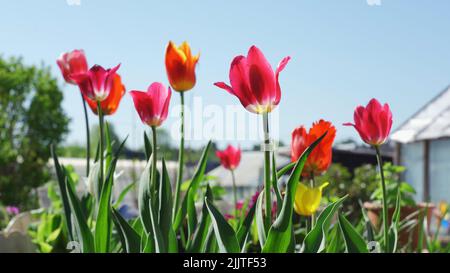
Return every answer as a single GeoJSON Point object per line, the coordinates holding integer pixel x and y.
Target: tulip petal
{"type": "Point", "coordinates": [165, 108]}
{"type": "Point", "coordinates": [239, 82]}
{"type": "Point", "coordinates": [280, 68]}
{"type": "Point", "coordinates": [261, 76]}
{"type": "Point", "coordinates": [225, 87]}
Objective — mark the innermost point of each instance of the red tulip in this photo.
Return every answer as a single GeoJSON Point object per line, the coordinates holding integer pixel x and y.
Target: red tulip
{"type": "Point", "coordinates": [97, 82]}
{"type": "Point", "coordinates": [373, 122]}
{"type": "Point", "coordinates": [153, 105]}
{"type": "Point", "coordinates": [254, 82]}
{"type": "Point", "coordinates": [72, 63]}
{"type": "Point", "coordinates": [230, 157]}
{"type": "Point", "coordinates": [320, 158]}
{"type": "Point", "coordinates": [111, 103]}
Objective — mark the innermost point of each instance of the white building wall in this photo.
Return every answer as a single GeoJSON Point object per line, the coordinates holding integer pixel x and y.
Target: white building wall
{"type": "Point", "coordinates": [411, 156]}
{"type": "Point", "coordinates": [440, 170]}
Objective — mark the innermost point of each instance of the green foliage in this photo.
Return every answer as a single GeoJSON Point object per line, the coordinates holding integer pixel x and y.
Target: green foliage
{"type": "Point", "coordinates": [31, 118]}
{"type": "Point", "coordinates": [364, 185]}
{"type": "Point", "coordinates": [357, 187]}
{"type": "Point", "coordinates": [394, 185]}
{"type": "Point", "coordinates": [49, 234]}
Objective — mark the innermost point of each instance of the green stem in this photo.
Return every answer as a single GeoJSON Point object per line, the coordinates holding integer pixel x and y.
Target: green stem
{"type": "Point", "coordinates": [385, 205]}
{"type": "Point", "coordinates": [100, 121]}
{"type": "Point", "coordinates": [234, 195]}
{"type": "Point", "coordinates": [180, 158]}
{"type": "Point", "coordinates": [313, 216]}
{"type": "Point", "coordinates": [154, 161]}
{"type": "Point", "coordinates": [88, 139]}
{"type": "Point", "coordinates": [267, 170]}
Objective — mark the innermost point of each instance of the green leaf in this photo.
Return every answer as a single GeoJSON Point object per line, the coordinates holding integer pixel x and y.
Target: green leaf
{"type": "Point", "coordinates": [200, 236]}
{"type": "Point", "coordinates": [80, 223]}
{"type": "Point", "coordinates": [147, 243]}
{"type": "Point", "coordinates": [368, 224]}
{"type": "Point", "coordinates": [226, 238]}
{"type": "Point", "coordinates": [314, 241]}
{"type": "Point", "coordinates": [132, 240]}
{"type": "Point", "coordinates": [148, 211]}
{"type": "Point", "coordinates": [354, 242]}
{"type": "Point", "coordinates": [211, 242]}
{"type": "Point", "coordinates": [165, 211]}
{"type": "Point", "coordinates": [188, 204]}
{"type": "Point", "coordinates": [108, 147]}
{"type": "Point", "coordinates": [285, 169]}
{"type": "Point", "coordinates": [275, 184]}
{"type": "Point", "coordinates": [335, 240]}
{"type": "Point", "coordinates": [260, 227]}
{"type": "Point", "coordinates": [64, 196]}
{"type": "Point", "coordinates": [103, 224]}
{"type": "Point", "coordinates": [279, 238]}
{"type": "Point", "coordinates": [123, 193]}
{"type": "Point", "coordinates": [144, 196]}
{"type": "Point", "coordinates": [395, 225]}
{"type": "Point", "coordinates": [245, 227]}
{"type": "Point", "coordinates": [148, 146]}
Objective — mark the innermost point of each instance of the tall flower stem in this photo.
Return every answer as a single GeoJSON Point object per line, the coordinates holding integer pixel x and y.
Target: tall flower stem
{"type": "Point", "coordinates": [385, 205]}
{"type": "Point", "coordinates": [154, 161]}
{"type": "Point", "coordinates": [267, 183]}
{"type": "Point", "coordinates": [234, 195]}
{"type": "Point", "coordinates": [88, 138]}
{"type": "Point", "coordinates": [313, 216]}
{"type": "Point", "coordinates": [180, 158]}
{"type": "Point", "coordinates": [100, 122]}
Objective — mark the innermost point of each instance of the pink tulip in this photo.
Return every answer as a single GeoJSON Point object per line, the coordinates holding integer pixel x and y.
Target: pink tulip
{"type": "Point", "coordinates": [153, 105]}
{"type": "Point", "coordinates": [239, 204]}
{"type": "Point", "coordinates": [228, 216]}
{"type": "Point", "coordinates": [12, 210]}
{"type": "Point", "coordinates": [230, 157]}
{"type": "Point", "coordinates": [97, 82]}
{"type": "Point", "coordinates": [254, 198]}
{"type": "Point", "coordinates": [72, 63]}
{"type": "Point", "coordinates": [373, 122]}
{"type": "Point", "coordinates": [254, 82]}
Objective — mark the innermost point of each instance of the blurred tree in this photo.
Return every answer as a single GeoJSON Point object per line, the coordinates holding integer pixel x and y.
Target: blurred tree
{"type": "Point", "coordinates": [31, 118]}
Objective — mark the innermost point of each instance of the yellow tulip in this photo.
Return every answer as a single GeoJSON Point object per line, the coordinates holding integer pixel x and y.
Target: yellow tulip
{"type": "Point", "coordinates": [307, 199]}
{"type": "Point", "coordinates": [443, 208]}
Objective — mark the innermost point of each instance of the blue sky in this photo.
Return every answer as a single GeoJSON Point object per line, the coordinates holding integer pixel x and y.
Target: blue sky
{"type": "Point", "coordinates": [343, 52]}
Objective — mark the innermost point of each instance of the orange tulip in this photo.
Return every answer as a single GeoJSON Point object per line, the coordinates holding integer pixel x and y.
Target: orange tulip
{"type": "Point", "coordinates": [111, 103]}
{"type": "Point", "coordinates": [320, 158]}
{"type": "Point", "coordinates": [180, 66]}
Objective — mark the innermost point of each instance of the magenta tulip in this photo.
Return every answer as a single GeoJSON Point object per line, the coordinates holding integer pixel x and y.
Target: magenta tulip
{"type": "Point", "coordinates": [72, 63]}
{"type": "Point", "coordinates": [373, 122]}
{"type": "Point", "coordinates": [12, 210]}
{"type": "Point", "coordinates": [153, 105]}
{"type": "Point", "coordinates": [97, 82]}
{"type": "Point", "coordinates": [230, 157]}
{"type": "Point", "coordinates": [253, 81]}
